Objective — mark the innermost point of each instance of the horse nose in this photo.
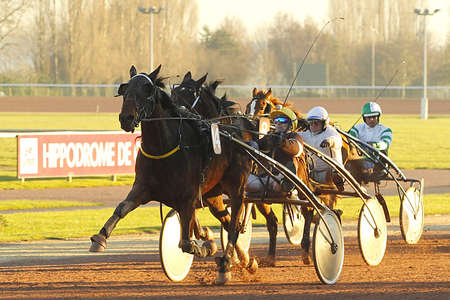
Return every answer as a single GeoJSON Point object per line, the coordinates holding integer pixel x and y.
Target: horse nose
{"type": "Point", "coordinates": [128, 118]}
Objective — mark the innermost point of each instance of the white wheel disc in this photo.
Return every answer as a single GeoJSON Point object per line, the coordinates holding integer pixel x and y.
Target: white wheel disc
{"type": "Point", "coordinates": [372, 232]}
{"type": "Point", "coordinates": [411, 216]}
{"type": "Point", "coordinates": [293, 228]}
{"type": "Point", "coordinates": [328, 248]}
{"type": "Point", "coordinates": [176, 263]}
{"type": "Point", "coordinates": [244, 238]}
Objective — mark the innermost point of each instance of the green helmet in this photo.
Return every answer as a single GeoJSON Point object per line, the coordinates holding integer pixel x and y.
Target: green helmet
{"type": "Point", "coordinates": [371, 109]}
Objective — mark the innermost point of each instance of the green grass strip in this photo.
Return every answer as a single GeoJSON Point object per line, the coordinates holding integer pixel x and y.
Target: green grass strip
{"type": "Point", "coordinates": [84, 223]}
{"type": "Point", "coordinates": [39, 204]}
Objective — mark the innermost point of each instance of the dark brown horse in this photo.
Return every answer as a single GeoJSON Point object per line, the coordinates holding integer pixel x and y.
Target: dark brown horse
{"type": "Point", "coordinates": [200, 99]}
{"type": "Point", "coordinates": [194, 95]}
{"type": "Point", "coordinates": [171, 166]}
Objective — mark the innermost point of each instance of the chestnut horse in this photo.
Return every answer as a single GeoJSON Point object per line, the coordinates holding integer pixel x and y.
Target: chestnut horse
{"type": "Point", "coordinates": [171, 166]}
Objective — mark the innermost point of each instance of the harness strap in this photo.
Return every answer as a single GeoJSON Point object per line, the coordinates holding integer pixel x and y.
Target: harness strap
{"type": "Point", "coordinates": [160, 156]}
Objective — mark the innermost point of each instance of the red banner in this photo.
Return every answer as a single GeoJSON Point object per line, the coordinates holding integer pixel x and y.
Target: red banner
{"type": "Point", "coordinates": [76, 154]}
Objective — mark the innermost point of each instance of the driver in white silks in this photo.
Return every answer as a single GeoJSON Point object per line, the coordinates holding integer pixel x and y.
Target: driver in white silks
{"type": "Point", "coordinates": [324, 138]}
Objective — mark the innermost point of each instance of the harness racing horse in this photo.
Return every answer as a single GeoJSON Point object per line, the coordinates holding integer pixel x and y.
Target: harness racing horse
{"type": "Point", "coordinates": [202, 100]}
{"type": "Point", "coordinates": [193, 94]}
{"type": "Point", "coordinates": [169, 166]}
{"type": "Point", "coordinates": [262, 103]}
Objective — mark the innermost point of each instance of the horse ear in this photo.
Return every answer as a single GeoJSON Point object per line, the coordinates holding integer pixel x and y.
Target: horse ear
{"type": "Point", "coordinates": [255, 91]}
{"type": "Point", "coordinates": [187, 77]}
{"type": "Point", "coordinates": [132, 71]}
{"type": "Point", "coordinates": [201, 80]}
{"type": "Point", "coordinates": [122, 89]}
{"type": "Point", "coordinates": [153, 74]}
{"type": "Point", "coordinates": [269, 93]}
{"type": "Point", "coordinates": [214, 86]}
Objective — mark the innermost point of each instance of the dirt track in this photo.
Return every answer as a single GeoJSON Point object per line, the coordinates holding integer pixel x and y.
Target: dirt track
{"type": "Point", "coordinates": [112, 105]}
{"type": "Point", "coordinates": [407, 271]}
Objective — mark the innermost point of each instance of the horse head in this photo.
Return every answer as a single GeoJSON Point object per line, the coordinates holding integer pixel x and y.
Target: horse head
{"type": "Point", "coordinates": [200, 98]}
{"type": "Point", "coordinates": [140, 97]}
{"type": "Point", "coordinates": [260, 104]}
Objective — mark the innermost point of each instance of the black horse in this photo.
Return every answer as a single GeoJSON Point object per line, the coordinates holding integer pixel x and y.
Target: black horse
{"type": "Point", "coordinates": [197, 97]}
{"type": "Point", "coordinates": [171, 167]}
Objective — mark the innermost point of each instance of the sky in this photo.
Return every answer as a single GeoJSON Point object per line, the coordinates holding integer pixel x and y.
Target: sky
{"type": "Point", "coordinates": [253, 12]}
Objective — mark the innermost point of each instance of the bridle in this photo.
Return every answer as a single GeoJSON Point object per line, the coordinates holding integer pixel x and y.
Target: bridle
{"type": "Point", "coordinates": [145, 110]}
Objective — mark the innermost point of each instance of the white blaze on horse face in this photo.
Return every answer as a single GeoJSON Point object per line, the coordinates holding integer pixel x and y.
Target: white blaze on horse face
{"type": "Point", "coordinates": [252, 107]}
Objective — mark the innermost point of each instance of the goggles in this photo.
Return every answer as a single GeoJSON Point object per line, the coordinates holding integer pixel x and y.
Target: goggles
{"type": "Point", "coordinates": [315, 122]}
{"type": "Point", "coordinates": [281, 120]}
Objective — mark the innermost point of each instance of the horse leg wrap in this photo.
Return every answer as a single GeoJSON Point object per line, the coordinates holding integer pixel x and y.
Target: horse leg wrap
{"type": "Point", "coordinates": [192, 247]}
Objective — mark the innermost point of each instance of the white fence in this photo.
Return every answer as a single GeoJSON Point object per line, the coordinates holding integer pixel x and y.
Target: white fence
{"type": "Point", "coordinates": [330, 91]}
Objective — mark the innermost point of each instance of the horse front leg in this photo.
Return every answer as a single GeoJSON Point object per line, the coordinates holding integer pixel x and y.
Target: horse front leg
{"type": "Point", "coordinates": [306, 241]}
{"type": "Point", "coordinates": [133, 200]}
{"type": "Point", "coordinates": [224, 263]}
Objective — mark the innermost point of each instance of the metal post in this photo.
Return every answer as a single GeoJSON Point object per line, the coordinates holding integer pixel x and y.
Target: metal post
{"type": "Point", "coordinates": [151, 10]}
{"type": "Point", "coordinates": [424, 102]}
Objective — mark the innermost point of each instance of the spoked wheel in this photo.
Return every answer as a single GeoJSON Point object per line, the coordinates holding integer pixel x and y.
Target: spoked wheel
{"type": "Point", "coordinates": [176, 263]}
{"type": "Point", "coordinates": [293, 223]}
{"type": "Point", "coordinates": [372, 232]}
{"type": "Point", "coordinates": [411, 215]}
{"type": "Point", "coordinates": [245, 238]}
{"type": "Point", "coordinates": [328, 248]}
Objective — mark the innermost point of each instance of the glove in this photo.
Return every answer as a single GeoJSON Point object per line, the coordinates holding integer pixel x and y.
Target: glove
{"type": "Point", "coordinates": [326, 143]}
{"type": "Point", "coordinates": [380, 145]}
{"type": "Point", "coordinates": [276, 139]}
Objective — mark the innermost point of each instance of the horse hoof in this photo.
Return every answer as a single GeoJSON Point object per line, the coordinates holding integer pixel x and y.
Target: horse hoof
{"type": "Point", "coordinates": [209, 234]}
{"type": "Point", "coordinates": [98, 243]}
{"type": "Point", "coordinates": [252, 266]}
{"type": "Point", "coordinates": [223, 277]}
{"type": "Point", "coordinates": [304, 255]}
{"type": "Point", "coordinates": [211, 246]}
{"type": "Point", "coordinates": [268, 261]}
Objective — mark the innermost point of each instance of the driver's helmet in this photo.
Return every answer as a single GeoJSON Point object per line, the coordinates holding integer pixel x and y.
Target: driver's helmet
{"type": "Point", "coordinates": [285, 112]}
{"type": "Point", "coordinates": [318, 113]}
{"type": "Point", "coordinates": [371, 109]}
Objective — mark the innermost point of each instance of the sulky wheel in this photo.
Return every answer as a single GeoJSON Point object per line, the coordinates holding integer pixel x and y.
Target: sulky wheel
{"type": "Point", "coordinates": [244, 238]}
{"type": "Point", "coordinates": [411, 215]}
{"type": "Point", "coordinates": [293, 223]}
{"type": "Point", "coordinates": [372, 232]}
{"type": "Point", "coordinates": [176, 263]}
{"type": "Point", "coordinates": [328, 248]}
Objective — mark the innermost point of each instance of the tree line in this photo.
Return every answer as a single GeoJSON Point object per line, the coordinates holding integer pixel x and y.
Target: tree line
{"type": "Point", "coordinates": [87, 41]}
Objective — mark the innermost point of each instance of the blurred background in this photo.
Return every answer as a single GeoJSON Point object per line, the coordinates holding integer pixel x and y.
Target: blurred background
{"type": "Point", "coordinates": [86, 47]}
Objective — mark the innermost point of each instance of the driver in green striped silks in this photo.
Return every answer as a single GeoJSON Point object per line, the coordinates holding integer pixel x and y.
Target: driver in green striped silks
{"type": "Point", "coordinates": [372, 131]}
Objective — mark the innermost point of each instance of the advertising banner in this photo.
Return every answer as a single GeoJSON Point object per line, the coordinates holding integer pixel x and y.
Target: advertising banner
{"type": "Point", "coordinates": [76, 154]}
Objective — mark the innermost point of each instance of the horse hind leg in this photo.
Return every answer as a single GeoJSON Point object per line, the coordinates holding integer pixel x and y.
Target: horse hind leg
{"type": "Point", "coordinates": [272, 228]}
{"type": "Point", "coordinates": [306, 241]}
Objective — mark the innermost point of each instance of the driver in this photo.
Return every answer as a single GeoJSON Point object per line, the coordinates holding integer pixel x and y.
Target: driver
{"type": "Point", "coordinates": [324, 137]}
{"type": "Point", "coordinates": [375, 134]}
{"type": "Point", "coordinates": [372, 131]}
{"type": "Point", "coordinates": [285, 146]}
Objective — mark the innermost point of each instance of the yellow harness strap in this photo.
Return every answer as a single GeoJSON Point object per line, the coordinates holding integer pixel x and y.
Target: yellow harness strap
{"type": "Point", "coordinates": [160, 156]}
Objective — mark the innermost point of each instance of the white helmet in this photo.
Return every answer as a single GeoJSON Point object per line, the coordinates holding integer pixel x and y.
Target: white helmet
{"type": "Point", "coordinates": [318, 113]}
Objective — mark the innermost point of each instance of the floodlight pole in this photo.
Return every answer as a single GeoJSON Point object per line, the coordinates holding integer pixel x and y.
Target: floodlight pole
{"type": "Point", "coordinates": [424, 102]}
{"type": "Point", "coordinates": [151, 10]}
